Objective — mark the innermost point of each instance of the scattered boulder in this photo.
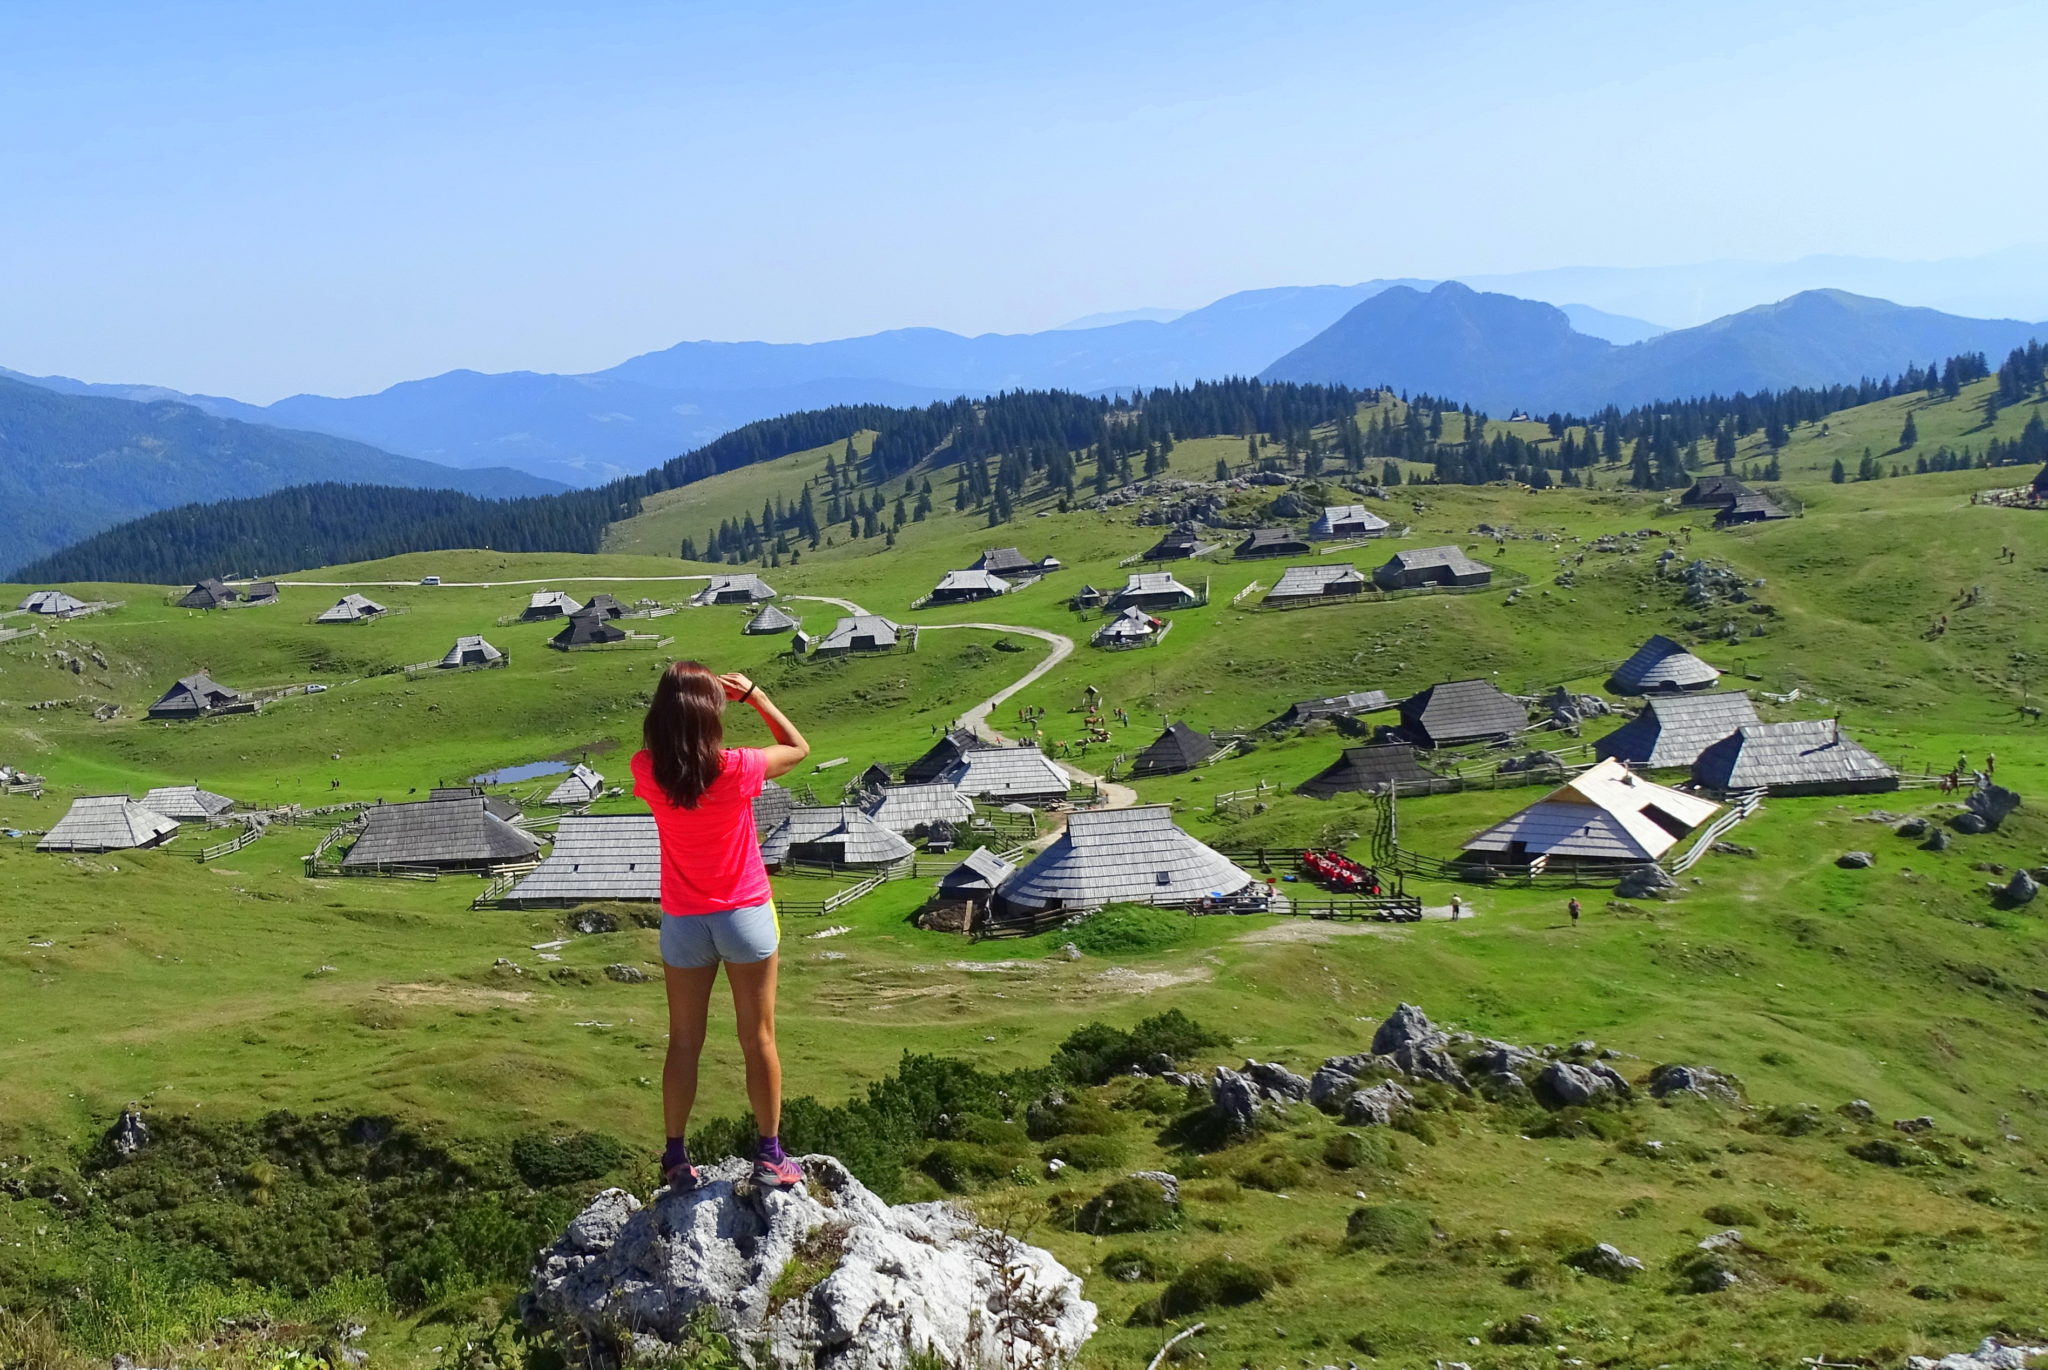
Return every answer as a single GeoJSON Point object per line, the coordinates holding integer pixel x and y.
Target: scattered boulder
{"type": "Point", "coordinates": [1855, 860]}
{"type": "Point", "coordinates": [1992, 803]}
{"type": "Point", "coordinates": [891, 1282]}
{"type": "Point", "coordinates": [1937, 840]}
{"type": "Point", "coordinates": [1913, 1126]}
{"type": "Point", "coordinates": [1912, 827]}
{"type": "Point", "coordinates": [1991, 1354]}
{"type": "Point", "coordinates": [1277, 1083]}
{"type": "Point", "coordinates": [1607, 1262]}
{"type": "Point", "coordinates": [1647, 881]}
{"type": "Point", "coordinates": [1169, 1184]}
{"type": "Point", "coordinates": [2021, 889]}
{"type": "Point", "coordinates": [1235, 1099]}
{"type": "Point", "coordinates": [1407, 1025]}
{"type": "Point", "coordinates": [1669, 1080]}
{"type": "Point", "coordinates": [1564, 1084]}
{"type": "Point", "coordinates": [1336, 1078]}
{"type": "Point", "coordinates": [1970, 822]}
{"type": "Point", "coordinates": [625, 974]}
{"type": "Point", "coordinates": [594, 921]}
{"type": "Point", "coordinates": [1729, 1240]}
{"type": "Point", "coordinates": [1858, 1110]}
{"type": "Point", "coordinates": [1378, 1106]}
{"type": "Point", "coordinates": [129, 1135]}
{"type": "Point", "coordinates": [1426, 1063]}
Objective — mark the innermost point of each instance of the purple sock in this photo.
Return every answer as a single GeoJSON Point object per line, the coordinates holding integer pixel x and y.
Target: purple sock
{"type": "Point", "coordinates": [769, 1149]}
{"type": "Point", "coordinates": [675, 1154]}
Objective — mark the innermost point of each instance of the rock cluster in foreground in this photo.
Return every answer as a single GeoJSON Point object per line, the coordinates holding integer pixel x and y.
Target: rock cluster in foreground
{"type": "Point", "coordinates": [826, 1276]}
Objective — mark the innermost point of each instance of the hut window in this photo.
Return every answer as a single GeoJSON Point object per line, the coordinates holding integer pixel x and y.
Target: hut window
{"type": "Point", "coordinates": [1163, 878]}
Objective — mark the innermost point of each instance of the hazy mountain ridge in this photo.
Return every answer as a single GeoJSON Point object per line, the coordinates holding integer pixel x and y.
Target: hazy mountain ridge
{"type": "Point", "coordinates": [1502, 353]}
{"type": "Point", "coordinates": [73, 464]}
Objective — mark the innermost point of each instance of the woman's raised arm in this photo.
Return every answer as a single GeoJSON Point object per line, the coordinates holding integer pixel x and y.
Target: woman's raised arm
{"type": "Point", "coordinates": [790, 747]}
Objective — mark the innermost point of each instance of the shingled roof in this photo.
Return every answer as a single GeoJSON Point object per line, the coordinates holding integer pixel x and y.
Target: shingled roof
{"type": "Point", "coordinates": [1334, 706]}
{"type": "Point", "coordinates": [1674, 729]}
{"type": "Point", "coordinates": [1110, 855]}
{"type": "Point", "coordinates": [611, 857]}
{"type": "Point", "coordinates": [210, 593]}
{"type": "Point", "coordinates": [1710, 490]}
{"type": "Point", "coordinates": [456, 832]}
{"type": "Point", "coordinates": [1133, 624]}
{"type": "Point", "coordinates": [771, 806]}
{"type": "Point", "coordinates": [971, 584]}
{"type": "Point", "coordinates": [1005, 773]}
{"type": "Point", "coordinates": [1661, 664]}
{"type": "Point", "coordinates": [909, 808]}
{"type": "Point", "coordinates": [1314, 582]}
{"type": "Point", "coordinates": [496, 805]}
{"type": "Point", "coordinates": [471, 651]}
{"type": "Point", "coordinates": [193, 695]}
{"type": "Point", "coordinates": [1461, 711]}
{"type": "Point", "coordinates": [977, 877]}
{"type": "Point", "coordinates": [586, 629]}
{"type": "Point", "coordinates": [1179, 748]}
{"type": "Point", "coordinates": [107, 822]}
{"type": "Point", "coordinates": [1004, 561]}
{"type": "Point", "coordinates": [1272, 542]}
{"type": "Point", "coordinates": [351, 608]}
{"type": "Point", "coordinates": [1147, 585]}
{"type": "Point", "coordinates": [859, 632]}
{"type": "Point", "coordinates": [1370, 770]}
{"type": "Point", "coordinates": [1179, 541]}
{"type": "Point", "coordinates": [746, 588]}
{"type": "Point", "coordinates": [1607, 813]}
{"type": "Point", "coordinates": [1347, 520]}
{"type": "Point", "coordinates": [1426, 565]}
{"type": "Point", "coordinates": [186, 803]}
{"type": "Point", "coordinates": [550, 604]}
{"type": "Point", "coordinates": [55, 603]}
{"type": "Point", "coordinates": [579, 786]}
{"type": "Point", "coordinates": [942, 756]}
{"type": "Point", "coordinates": [771, 619]}
{"type": "Point", "coordinates": [1812, 756]}
{"type": "Point", "coordinates": [1750, 507]}
{"type": "Point", "coordinates": [606, 603]}
{"type": "Point", "coordinates": [839, 833]}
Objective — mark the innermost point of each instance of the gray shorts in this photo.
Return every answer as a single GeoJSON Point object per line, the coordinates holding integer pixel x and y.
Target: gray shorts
{"type": "Point", "coordinates": [690, 941]}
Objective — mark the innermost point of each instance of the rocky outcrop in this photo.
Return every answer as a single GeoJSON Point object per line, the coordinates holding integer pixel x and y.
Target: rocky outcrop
{"type": "Point", "coordinates": [1991, 1354]}
{"type": "Point", "coordinates": [1566, 1084]}
{"type": "Point", "coordinates": [1647, 881]}
{"type": "Point", "coordinates": [1378, 1106]}
{"type": "Point", "coordinates": [2021, 889]}
{"type": "Point", "coordinates": [1676, 1081]}
{"type": "Point", "coordinates": [827, 1277]}
{"type": "Point", "coordinates": [1406, 1026]}
{"type": "Point", "coordinates": [1992, 803]}
{"type": "Point", "coordinates": [1607, 1262]}
{"type": "Point", "coordinates": [1277, 1083]}
{"type": "Point", "coordinates": [1855, 861]}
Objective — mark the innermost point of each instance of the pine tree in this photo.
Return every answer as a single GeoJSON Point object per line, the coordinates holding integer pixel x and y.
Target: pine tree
{"type": "Point", "coordinates": [1910, 434]}
{"type": "Point", "coordinates": [1837, 474]}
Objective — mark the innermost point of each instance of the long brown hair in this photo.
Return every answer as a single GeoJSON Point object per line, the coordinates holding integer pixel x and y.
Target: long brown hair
{"type": "Point", "coordinates": [685, 732]}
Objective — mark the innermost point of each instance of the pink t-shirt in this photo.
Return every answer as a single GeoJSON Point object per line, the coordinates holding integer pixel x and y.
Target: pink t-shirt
{"type": "Point", "coordinates": [710, 860]}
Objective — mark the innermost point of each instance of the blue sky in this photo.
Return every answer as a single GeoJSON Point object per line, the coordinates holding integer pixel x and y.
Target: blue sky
{"type": "Point", "coordinates": [259, 199]}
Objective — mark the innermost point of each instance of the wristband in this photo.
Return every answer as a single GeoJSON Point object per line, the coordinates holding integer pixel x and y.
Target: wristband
{"type": "Point", "coordinates": [749, 694]}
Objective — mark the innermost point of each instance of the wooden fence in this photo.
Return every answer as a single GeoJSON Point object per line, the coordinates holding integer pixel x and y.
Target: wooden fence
{"type": "Point", "coordinates": [1501, 580]}
{"type": "Point", "coordinates": [249, 833]}
{"type": "Point", "coordinates": [1739, 807]}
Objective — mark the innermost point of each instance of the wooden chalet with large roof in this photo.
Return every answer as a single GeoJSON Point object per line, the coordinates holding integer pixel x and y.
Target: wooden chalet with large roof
{"type": "Point", "coordinates": [1672, 730]}
{"type": "Point", "coordinates": [1347, 521]}
{"type": "Point", "coordinates": [836, 834]}
{"type": "Point", "coordinates": [108, 822]}
{"type": "Point", "coordinates": [964, 587]}
{"type": "Point", "coordinates": [1272, 542]}
{"type": "Point", "coordinates": [1175, 544]}
{"type": "Point", "coordinates": [195, 696]}
{"type": "Point", "coordinates": [1179, 748]}
{"type": "Point", "coordinates": [1374, 769]}
{"type": "Point", "coordinates": [1810, 756]}
{"type": "Point", "coordinates": [1604, 816]}
{"type": "Point", "coordinates": [746, 588]}
{"type": "Point", "coordinates": [1661, 665]}
{"type": "Point", "coordinates": [1153, 591]}
{"type": "Point", "coordinates": [1107, 856]}
{"type": "Point", "coordinates": [615, 857]}
{"type": "Point", "coordinates": [1309, 584]}
{"type": "Point", "coordinates": [545, 604]}
{"type": "Point", "coordinates": [452, 831]}
{"type": "Point", "coordinates": [1460, 711]}
{"type": "Point", "coordinates": [1422, 566]}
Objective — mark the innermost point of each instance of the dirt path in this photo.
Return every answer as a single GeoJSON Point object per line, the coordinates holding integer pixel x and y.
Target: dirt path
{"type": "Point", "coordinates": [490, 584]}
{"type": "Point", "coordinates": [845, 604]}
{"type": "Point", "coordinates": [976, 719]}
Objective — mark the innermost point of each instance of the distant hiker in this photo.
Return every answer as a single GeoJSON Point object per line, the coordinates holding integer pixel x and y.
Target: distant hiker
{"type": "Point", "coordinates": [1457, 907]}
{"type": "Point", "coordinates": [716, 903]}
{"type": "Point", "coordinates": [1572, 907]}
{"type": "Point", "coordinates": [1990, 764]}
{"type": "Point", "coordinates": [1962, 762]}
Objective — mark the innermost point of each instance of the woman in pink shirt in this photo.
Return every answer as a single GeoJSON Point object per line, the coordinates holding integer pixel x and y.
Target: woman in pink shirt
{"type": "Point", "coordinates": [716, 904]}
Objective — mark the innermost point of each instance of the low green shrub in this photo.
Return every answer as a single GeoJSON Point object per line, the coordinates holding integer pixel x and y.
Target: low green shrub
{"type": "Point", "coordinates": [1132, 930]}
{"type": "Point", "coordinates": [1087, 1151]}
{"type": "Point", "coordinates": [1096, 1052]}
{"type": "Point", "coordinates": [1068, 1115]}
{"type": "Point", "coordinates": [1217, 1282]}
{"type": "Point", "coordinates": [544, 1161]}
{"type": "Point", "coordinates": [1127, 1206]}
{"type": "Point", "coordinates": [1731, 1215]}
{"type": "Point", "coordinates": [1391, 1229]}
{"type": "Point", "coordinates": [959, 1167]}
{"type": "Point", "coordinates": [1356, 1150]}
{"type": "Point", "coordinates": [1133, 1266]}
{"type": "Point", "coordinates": [1275, 1172]}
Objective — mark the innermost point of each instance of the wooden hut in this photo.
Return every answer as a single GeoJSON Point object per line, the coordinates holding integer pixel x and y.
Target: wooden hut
{"type": "Point", "coordinates": [579, 786]}
{"type": "Point", "coordinates": [187, 803]}
{"type": "Point", "coordinates": [587, 629]}
{"type": "Point", "coordinates": [915, 809]}
{"type": "Point", "coordinates": [1176, 544]}
{"type": "Point", "coordinates": [1661, 665]}
{"type": "Point", "coordinates": [451, 831]}
{"type": "Point", "coordinates": [1272, 542]}
{"type": "Point", "coordinates": [1812, 756]}
{"type": "Point", "coordinates": [194, 696]}
{"type": "Point", "coordinates": [746, 588]}
{"type": "Point", "coordinates": [51, 604]}
{"type": "Point", "coordinates": [1179, 748]}
{"type": "Point", "coordinates": [854, 634]}
{"type": "Point", "coordinates": [108, 822]}
{"type": "Point", "coordinates": [1431, 566]}
{"type": "Point", "coordinates": [976, 879]}
{"type": "Point", "coordinates": [1107, 856]}
{"type": "Point", "coordinates": [837, 834]}
{"type": "Point", "coordinates": [1606, 815]}
{"type": "Point", "coordinates": [1672, 731]}
{"type": "Point", "coordinates": [351, 608]}
{"type": "Point", "coordinates": [1006, 775]}
{"type": "Point", "coordinates": [771, 619]}
{"type": "Point", "coordinates": [1714, 492]}
{"type": "Point", "coordinates": [470, 651]}
{"type": "Point", "coordinates": [1460, 711]}
{"type": "Point", "coordinates": [1347, 521]}
{"type": "Point", "coordinates": [1131, 628]}
{"type": "Point", "coordinates": [1750, 508]}
{"type": "Point", "coordinates": [545, 604]}
{"type": "Point", "coordinates": [596, 857]}
{"type": "Point", "coordinates": [1008, 563]}
{"type": "Point", "coordinates": [963, 587]}
{"type": "Point", "coordinates": [1305, 584]}
{"type": "Point", "coordinates": [1373, 770]}
{"type": "Point", "coordinates": [771, 806]}
{"type": "Point", "coordinates": [1338, 709]}
{"type": "Point", "coordinates": [942, 756]}
{"type": "Point", "coordinates": [1154, 591]}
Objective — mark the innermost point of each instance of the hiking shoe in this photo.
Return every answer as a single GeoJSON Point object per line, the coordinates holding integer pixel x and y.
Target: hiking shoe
{"type": "Point", "coordinates": [783, 1174]}
{"type": "Point", "coordinates": [681, 1177]}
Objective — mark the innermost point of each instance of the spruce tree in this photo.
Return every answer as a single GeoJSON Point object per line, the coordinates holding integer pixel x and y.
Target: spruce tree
{"type": "Point", "coordinates": [1910, 434]}
{"type": "Point", "coordinates": [1837, 474]}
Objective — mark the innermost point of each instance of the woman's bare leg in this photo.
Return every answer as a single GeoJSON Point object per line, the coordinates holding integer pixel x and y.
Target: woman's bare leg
{"type": "Point", "coordinates": [689, 999]}
{"type": "Point", "coordinates": [753, 1002]}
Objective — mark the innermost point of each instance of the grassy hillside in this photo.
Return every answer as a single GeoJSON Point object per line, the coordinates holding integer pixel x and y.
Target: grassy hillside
{"type": "Point", "coordinates": [222, 992]}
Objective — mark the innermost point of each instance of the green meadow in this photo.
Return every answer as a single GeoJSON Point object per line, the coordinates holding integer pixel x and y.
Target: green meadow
{"type": "Point", "coordinates": [222, 993]}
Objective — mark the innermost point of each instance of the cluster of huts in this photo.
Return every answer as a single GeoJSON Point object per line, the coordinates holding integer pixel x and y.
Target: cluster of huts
{"type": "Point", "coordinates": [997, 571]}
{"type": "Point", "coordinates": [117, 822]}
{"type": "Point", "coordinates": [1732, 501]}
{"type": "Point", "coordinates": [214, 593]}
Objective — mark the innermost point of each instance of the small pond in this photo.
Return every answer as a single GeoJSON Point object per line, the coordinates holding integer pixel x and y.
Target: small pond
{"type": "Point", "coordinates": [510, 775]}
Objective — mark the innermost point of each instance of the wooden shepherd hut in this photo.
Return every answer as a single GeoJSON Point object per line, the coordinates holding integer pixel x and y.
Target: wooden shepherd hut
{"type": "Point", "coordinates": [1662, 666]}
{"type": "Point", "coordinates": [108, 822]}
{"type": "Point", "coordinates": [1108, 856]}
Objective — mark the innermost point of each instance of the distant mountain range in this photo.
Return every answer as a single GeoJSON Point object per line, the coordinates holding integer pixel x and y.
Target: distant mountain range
{"type": "Point", "coordinates": [73, 464]}
{"type": "Point", "coordinates": [1501, 353]}
{"type": "Point", "coordinates": [1502, 350]}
